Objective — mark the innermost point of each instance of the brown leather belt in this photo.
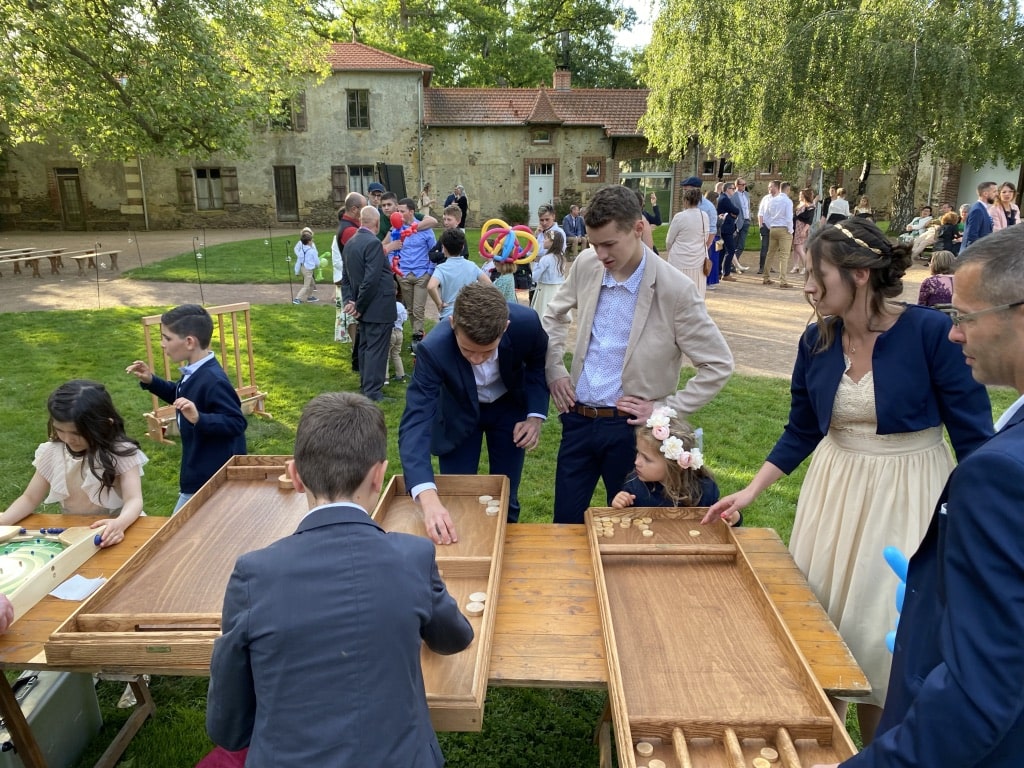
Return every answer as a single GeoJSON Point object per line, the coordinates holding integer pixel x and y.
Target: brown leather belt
{"type": "Point", "coordinates": [597, 413]}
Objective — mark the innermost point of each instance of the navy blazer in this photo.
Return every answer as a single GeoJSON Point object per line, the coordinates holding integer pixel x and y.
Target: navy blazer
{"type": "Point", "coordinates": [368, 279]}
{"type": "Point", "coordinates": [955, 693]}
{"type": "Point", "coordinates": [920, 380]}
{"type": "Point", "coordinates": [220, 432]}
{"type": "Point", "coordinates": [731, 211]}
{"type": "Point", "coordinates": [318, 663]}
{"type": "Point", "coordinates": [978, 224]}
{"type": "Point", "coordinates": [441, 406]}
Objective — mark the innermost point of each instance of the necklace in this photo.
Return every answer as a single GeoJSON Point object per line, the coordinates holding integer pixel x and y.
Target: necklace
{"type": "Point", "coordinates": [850, 348]}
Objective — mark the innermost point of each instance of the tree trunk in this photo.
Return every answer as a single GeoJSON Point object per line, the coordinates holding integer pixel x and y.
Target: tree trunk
{"type": "Point", "coordinates": [862, 182]}
{"type": "Point", "coordinates": [903, 188]}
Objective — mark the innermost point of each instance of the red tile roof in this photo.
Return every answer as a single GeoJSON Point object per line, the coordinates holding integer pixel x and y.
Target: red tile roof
{"type": "Point", "coordinates": [617, 111]}
{"type": "Point", "coordinates": [355, 57]}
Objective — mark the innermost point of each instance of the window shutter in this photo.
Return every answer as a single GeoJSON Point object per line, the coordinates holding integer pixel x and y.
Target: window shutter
{"type": "Point", "coordinates": [299, 111]}
{"type": "Point", "coordinates": [229, 183]}
{"type": "Point", "coordinates": [339, 188]}
{"type": "Point", "coordinates": [186, 190]}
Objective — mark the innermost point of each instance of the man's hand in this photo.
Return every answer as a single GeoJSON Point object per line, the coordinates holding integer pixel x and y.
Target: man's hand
{"type": "Point", "coordinates": [436, 519]}
{"type": "Point", "coordinates": [140, 371]}
{"type": "Point", "coordinates": [350, 309]}
{"type": "Point", "coordinates": [187, 409]}
{"type": "Point", "coordinates": [526, 434]}
{"type": "Point", "coordinates": [639, 408]}
{"type": "Point", "coordinates": [563, 393]}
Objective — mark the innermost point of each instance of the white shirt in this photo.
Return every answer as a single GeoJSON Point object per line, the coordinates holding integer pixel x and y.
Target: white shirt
{"type": "Point", "coordinates": [489, 386]}
{"type": "Point", "coordinates": [1010, 412]}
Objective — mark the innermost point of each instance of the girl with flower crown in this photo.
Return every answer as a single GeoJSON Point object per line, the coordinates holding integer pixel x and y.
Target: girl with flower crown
{"type": "Point", "coordinates": [669, 468]}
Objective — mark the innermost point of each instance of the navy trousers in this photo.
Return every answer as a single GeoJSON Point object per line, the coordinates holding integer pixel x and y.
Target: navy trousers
{"type": "Point", "coordinates": [591, 448]}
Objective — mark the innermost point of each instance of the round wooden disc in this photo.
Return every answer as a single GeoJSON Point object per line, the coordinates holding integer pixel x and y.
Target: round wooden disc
{"type": "Point", "coordinates": [484, 499]}
{"type": "Point", "coordinates": [285, 483]}
{"type": "Point", "coordinates": [760, 762]}
{"type": "Point", "coordinates": [769, 754]}
{"type": "Point", "coordinates": [644, 748]}
{"type": "Point", "coordinates": [474, 609]}
{"type": "Point", "coordinates": [478, 597]}
{"type": "Point", "coordinates": [648, 533]}
{"type": "Point", "coordinates": [655, 763]}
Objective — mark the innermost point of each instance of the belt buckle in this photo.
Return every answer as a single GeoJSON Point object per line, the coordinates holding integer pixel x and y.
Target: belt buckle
{"type": "Point", "coordinates": [588, 411]}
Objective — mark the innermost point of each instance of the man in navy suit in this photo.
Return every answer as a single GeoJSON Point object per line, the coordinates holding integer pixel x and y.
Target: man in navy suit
{"type": "Point", "coordinates": [979, 221]}
{"type": "Point", "coordinates": [319, 660]}
{"type": "Point", "coordinates": [955, 694]}
{"type": "Point", "coordinates": [368, 290]}
{"type": "Point", "coordinates": [482, 373]}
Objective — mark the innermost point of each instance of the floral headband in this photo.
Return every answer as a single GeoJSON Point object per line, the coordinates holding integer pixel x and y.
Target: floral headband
{"type": "Point", "coordinates": [857, 240]}
{"type": "Point", "coordinates": [672, 447]}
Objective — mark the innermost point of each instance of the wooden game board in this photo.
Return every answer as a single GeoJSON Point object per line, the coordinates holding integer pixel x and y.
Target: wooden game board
{"type": "Point", "coordinates": [701, 666]}
{"type": "Point", "coordinates": [41, 575]}
{"type": "Point", "coordinates": [456, 685]}
{"type": "Point", "coordinates": [160, 613]}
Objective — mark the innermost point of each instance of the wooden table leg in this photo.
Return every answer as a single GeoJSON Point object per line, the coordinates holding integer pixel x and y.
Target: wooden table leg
{"type": "Point", "coordinates": [144, 707]}
{"type": "Point", "coordinates": [21, 734]}
{"type": "Point", "coordinates": [603, 736]}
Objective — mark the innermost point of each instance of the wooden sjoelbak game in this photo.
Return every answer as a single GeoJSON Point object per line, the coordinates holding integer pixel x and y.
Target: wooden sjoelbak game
{"type": "Point", "coordinates": [34, 562]}
{"type": "Point", "coordinates": [702, 671]}
{"type": "Point", "coordinates": [161, 612]}
{"type": "Point", "coordinates": [456, 685]}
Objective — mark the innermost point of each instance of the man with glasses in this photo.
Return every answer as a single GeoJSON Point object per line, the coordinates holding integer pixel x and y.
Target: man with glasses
{"type": "Point", "coordinates": [742, 200]}
{"type": "Point", "coordinates": [955, 695]}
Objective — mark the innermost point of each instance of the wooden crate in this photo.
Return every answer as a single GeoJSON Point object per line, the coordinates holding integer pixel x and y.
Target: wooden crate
{"type": "Point", "coordinates": [160, 612]}
{"type": "Point", "coordinates": [233, 344]}
{"type": "Point", "coordinates": [457, 685]}
{"type": "Point", "coordinates": [701, 666]}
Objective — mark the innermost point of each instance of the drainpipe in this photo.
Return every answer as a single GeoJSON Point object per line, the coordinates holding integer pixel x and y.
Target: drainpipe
{"type": "Point", "coordinates": [419, 138]}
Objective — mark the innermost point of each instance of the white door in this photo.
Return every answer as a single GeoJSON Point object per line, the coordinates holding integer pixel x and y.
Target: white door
{"type": "Point", "coordinates": [542, 188]}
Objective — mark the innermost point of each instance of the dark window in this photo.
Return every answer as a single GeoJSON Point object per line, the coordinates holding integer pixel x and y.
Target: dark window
{"type": "Point", "coordinates": [209, 189]}
{"type": "Point", "coordinates": [358, 109]}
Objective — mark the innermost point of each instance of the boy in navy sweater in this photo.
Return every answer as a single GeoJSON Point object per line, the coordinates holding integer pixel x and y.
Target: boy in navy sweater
{"type": "Point", "coordinates": [209, 413]}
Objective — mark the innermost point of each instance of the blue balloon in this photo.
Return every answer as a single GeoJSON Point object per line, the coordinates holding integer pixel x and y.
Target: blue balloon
{"type": "Point", "coordinates": [899, 563]}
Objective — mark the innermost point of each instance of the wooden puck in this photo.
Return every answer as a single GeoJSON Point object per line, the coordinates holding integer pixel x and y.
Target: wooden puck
{"type": "Point", "coordinates": [285, 483]}
{"type": "Point", "coordinates": [484, 499]}
{"type": "Point", "coordinates": [647, 520]}
{"type": "Point", "coordinates": [648, 533]}
{"type": "Point", "coordinates": [474, 609]}
{"type": "Point", "coordinates": [695, 533]}
{"type": "Point", "coordinates": [655, 763]}
{"type": "Point", "coordinates": [491, 511]}
{"type": "Point", "coordinates": [760, 762]}
{"type": "Point", "coordinates": [769, 754]}
{"type": "Point", "coordinates": [478, 597]}
{"type": "Point", "coordinates": [644, 749]}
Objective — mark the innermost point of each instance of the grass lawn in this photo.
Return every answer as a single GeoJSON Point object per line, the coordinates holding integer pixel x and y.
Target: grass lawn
{"type": "Point", "coordinates": [296, 360]}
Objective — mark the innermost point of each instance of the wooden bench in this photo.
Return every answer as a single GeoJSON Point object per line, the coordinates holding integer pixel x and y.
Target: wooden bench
{"type": "Point", "coordinates": [88, 259]}
{"type": "Point", "coordinates": [32, 258]}
{"type": "Point", "coordinates": [232, 342]}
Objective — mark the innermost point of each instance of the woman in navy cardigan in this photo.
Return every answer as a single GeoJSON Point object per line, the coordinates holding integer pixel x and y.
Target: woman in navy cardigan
{"type": "Point", "coordinates": [874, 383]}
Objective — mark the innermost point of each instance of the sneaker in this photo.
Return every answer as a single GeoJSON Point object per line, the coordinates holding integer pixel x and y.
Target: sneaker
{"type": "Point", "coordinates": [760, 271]}
{"type": "Point", "coordinates": [311, 299]}
{"type": "Point", "coordinates": [766, 281]}
{"type": "Point", "coordinates": [296, 301]}
{"type": "Point", "coordinates": [785, 285]}
{"type": "Point", "coordinates": [398, 379]}
{"type": "Point", "coordinates": [730, 278]}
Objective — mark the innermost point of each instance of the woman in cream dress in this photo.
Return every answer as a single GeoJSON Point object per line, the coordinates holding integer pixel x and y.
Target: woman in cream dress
{"type": "Point", "coordinates": [687, 240]}
{"type": "Point", "coordinates": [873, 385]}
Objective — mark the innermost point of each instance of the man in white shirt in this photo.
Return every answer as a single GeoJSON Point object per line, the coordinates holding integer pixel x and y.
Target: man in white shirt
{"type": "Point", "coordinates": [778, 218]}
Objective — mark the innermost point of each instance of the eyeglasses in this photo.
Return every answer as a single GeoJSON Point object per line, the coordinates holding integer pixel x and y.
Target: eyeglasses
{"type": "Point", "coordinates": [959, 318]}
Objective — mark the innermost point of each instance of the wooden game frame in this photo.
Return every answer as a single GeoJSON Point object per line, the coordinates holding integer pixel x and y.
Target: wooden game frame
{"type": "Point", "coordinates": [228, 342]}
{"type": "Point", "coordinates": [183, 572]}
{"type": "Point", "coordinates": [79, 547]}
{"type": "Point", "coordinates": [717, 706]}
{"type": "Point", "coordinates": [457, 685]}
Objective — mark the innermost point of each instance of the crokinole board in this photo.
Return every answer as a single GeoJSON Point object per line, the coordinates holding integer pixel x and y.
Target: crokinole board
{"type": "Point", "coordinates": [456, 685]}
{"type": "Point", "coordinates": [702, 670]}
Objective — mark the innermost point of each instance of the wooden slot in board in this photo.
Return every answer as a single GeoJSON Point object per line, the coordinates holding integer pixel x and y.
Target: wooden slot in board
{"type": "Point", "coordinates": [457, 685]}
{"type": "Point", "coordinates": [178, 578]}
{"type": "Point", "coordinates": [79, 548]}
{"type": "Point", "coordinates": [700, 663]}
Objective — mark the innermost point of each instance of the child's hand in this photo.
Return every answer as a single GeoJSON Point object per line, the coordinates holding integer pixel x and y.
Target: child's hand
{"type": "Point", "coordinates": [112, 533]}
{"type": "Point", "coordinates": [141, 371]}
{"type": "Point", "coordinates": [623, 500]}
{"type": "Point", "coordinates": [187, 409]}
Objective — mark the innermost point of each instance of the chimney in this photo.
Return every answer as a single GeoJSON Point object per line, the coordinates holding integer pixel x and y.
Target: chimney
{"type": "Point", "coordinates": [563, 79]}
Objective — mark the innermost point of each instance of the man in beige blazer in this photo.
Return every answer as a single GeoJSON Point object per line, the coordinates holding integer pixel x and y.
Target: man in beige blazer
{"type": "Point", "coordinates": [637, 316]}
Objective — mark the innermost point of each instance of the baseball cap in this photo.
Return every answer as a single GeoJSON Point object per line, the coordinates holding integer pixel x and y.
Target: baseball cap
{"type": "Point", "coordinates": [376, 187]}
{"type": "Point", "coordinates": [692, 181]}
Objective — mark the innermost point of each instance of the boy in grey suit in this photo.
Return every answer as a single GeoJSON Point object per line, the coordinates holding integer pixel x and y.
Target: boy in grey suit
{"type": "Point", "coordinates": [319, 661]}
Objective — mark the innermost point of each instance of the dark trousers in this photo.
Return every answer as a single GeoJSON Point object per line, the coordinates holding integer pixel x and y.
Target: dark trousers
{"type": "Point", "coordinates": [374, 340]}
{"type": "Point", "coordinates": [497, 422]}
{"type": "Point", "coordinates": [728, 252]}
{"type": "Point", "coordinates": [591, 449]}
{"type": "Point", "coordinates": [741, 237]}
{"type": "Point", "coordinates": [765, 232]}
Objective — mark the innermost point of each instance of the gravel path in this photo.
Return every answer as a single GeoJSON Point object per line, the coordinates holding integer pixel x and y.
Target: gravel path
{"type": "Point", "coordinates": [761, 323]}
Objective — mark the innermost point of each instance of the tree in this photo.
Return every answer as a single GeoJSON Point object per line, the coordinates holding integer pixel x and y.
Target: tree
{"type": "Point", "coordinates": [487, 43]}
{"type": "Point", "coordinates": [840, 82]}
{"type": "Point", "coordinates": [119, 78]}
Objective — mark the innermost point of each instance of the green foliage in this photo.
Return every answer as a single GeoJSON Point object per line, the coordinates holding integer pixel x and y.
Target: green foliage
{"type": "Point", "coordinates": [515, 213]}
{"type": "Point", "coordinates": [511, 43]}
{"type": "Point", "coordinates": [170, 77]}
{"type": "Point", "coordinates": [839, 83]}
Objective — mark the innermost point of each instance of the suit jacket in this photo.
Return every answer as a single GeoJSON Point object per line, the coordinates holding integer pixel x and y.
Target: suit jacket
{"type": "Point", "coordinates": [441, 405]}
{"type": "Point", "coordinates": [731, 212]}
{"type": "Point", "coordinates": [955, 694]}
{"type": "Point", "coordinates": [920, 381]}
{"type": "Point", "coordinates": [319, 660]}
{"type": "Point", "coordinates": [368, 279]}
{"type": "Point", "coordinates": [979, 224]}
{"type": "Point", "coordinates": [671, 320]}
{"type": "Point", "coordinates": [220, 432]}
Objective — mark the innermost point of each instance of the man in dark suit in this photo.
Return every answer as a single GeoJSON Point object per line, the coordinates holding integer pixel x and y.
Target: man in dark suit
{"type": "Point", "coordinates": [955, 695]}
{"type": "Point", "coordinates": [368, 290]}
{"type": "Point", "coordinates": [319, 660]}
{"type": "Point", "coordinates": [481, 373]}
